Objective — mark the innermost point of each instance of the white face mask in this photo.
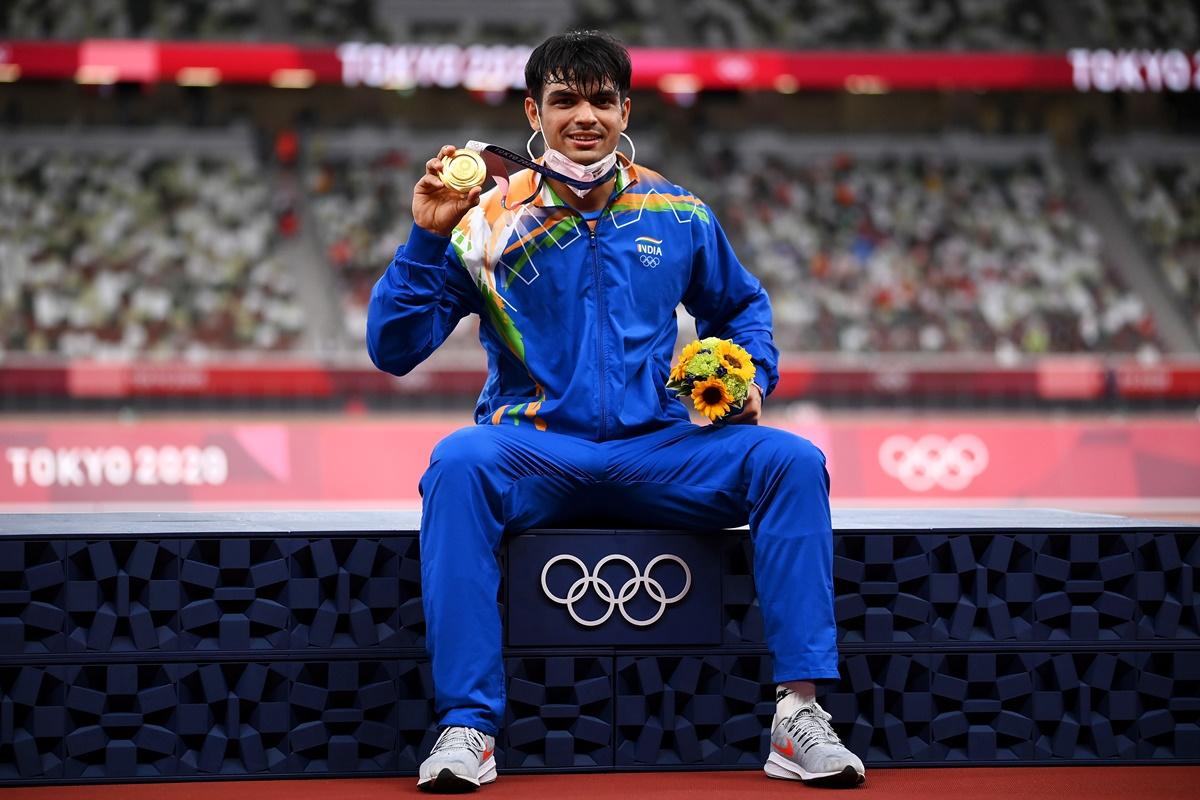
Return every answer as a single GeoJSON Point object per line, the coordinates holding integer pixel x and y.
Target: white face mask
{"type": "Point", "coordinates": [573, 169]}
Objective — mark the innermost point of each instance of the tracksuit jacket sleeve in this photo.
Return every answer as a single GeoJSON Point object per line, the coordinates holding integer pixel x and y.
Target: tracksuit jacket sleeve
{"type": "Point", "coordinates": [417, 302]}
{"type": "Point", "coordinates": [730, 303]}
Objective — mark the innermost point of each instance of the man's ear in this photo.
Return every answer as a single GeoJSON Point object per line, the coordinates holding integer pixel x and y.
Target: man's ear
{"type": "Point", "coordinates": [531, 114]}
{"type": "Point", "coordinates": [625, 106]}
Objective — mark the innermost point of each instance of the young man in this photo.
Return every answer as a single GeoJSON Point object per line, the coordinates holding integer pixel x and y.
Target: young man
{"type": "Point", "coordinates": [579, 326]}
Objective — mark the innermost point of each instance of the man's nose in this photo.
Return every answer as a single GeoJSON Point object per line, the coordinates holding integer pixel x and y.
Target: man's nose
{"type": "Point", "coordinates": [585, 114]}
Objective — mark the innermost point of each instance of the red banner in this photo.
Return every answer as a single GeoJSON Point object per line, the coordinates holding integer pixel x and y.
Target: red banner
{"type": "Point", "coordinates": [1149, 464]}
{"type": "Point", "coordinates": [495, 67]}
{"type": "Point", "coordinates": [491, 67]}
{"type": "Point", "coordinates": [1052, 378]}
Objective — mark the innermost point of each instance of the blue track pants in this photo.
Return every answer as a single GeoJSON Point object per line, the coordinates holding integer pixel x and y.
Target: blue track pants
{"type": "Point", "coordinates": [486, 480]}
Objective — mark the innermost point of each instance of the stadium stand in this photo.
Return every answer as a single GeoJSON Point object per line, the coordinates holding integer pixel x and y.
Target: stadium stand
{"type": "Point", "coordinates": [123, 19]}
{"type": "Point", "coordinates": [362, 212]}
{"type": "Point", "coordinates": [291, 20]}
{"type": "Point", "coordinates": [990, 25]}
{"type": "Point", "coordinates": [921, 246]}
{"type": "Point", "coordinates": [1163, 199]}
{"type": "Point", "coordinates": [926, 245]}
{"type": "Point", "coordinates": [120, 247]}
{"type": "Point", "coordinates": [1148, 24]}
{"type": "Point", "coordinates": [825, 24]}
{"type": "Point", "coordinates": [803, 24]}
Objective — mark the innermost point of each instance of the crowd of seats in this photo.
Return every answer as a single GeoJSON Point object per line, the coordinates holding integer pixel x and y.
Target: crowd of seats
{"type": "Point", "coordinates": [1163, 200]}
{"type": "Point", "coordinates": [362, 210]}
{"type": "Point", "coordinates": [304, 21]}
{"type": "Point", "coordinates": [807, 24]}
{"type": "Point", "coordinates": [896, 254]}
{"type": "Point", "coordinates": [116, 256]}
{"type": "Point", "coordinates": [124, 19]}
{"type": "Point", "coordinates": [825, 24]}
{"type": "Point", "coordinates": [914, 253]}
{"type": "Point", "coordinates": [905, 252]}
{"type": "Point", "coordinates": [1138, 24]}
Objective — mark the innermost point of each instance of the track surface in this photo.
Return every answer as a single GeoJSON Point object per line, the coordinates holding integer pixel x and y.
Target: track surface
{"type": "Point", "coordinates": [979, 783]}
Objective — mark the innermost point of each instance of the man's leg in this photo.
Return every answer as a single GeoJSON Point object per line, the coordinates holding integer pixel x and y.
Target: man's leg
{"type": "Point", "coordinates": [481, 480]}
{"type": "Point", "coordinates": [689, 476]}
{"type": "Point", "coordinates": [721, 476]}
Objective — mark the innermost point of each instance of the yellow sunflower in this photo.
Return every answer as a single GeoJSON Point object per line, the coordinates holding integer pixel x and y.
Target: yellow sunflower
{"type": "Point", "coordinates": [679, 371]}
{"type": "Point", "coordinates": [711, 398]}
{"type": "Point", "coordinates": [736, 360]}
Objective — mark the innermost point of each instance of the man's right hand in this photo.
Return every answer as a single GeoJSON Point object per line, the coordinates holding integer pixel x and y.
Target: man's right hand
{"type": "Point", "coordinates": [436, 207]}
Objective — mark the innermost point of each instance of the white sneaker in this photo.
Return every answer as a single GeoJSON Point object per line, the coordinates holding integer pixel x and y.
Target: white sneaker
{"type": "Point", "coordinates": [461, 761]}
{"type": "Point", "coordinates": [805, 748]}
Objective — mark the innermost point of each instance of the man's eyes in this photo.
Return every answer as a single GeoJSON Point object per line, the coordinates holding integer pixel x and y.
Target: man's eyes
{"type": "Point", "coordinates": [566, 102]}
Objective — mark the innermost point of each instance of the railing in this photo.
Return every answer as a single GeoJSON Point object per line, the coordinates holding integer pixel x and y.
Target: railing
{"type": "Point", "coordinates": [980, 377]}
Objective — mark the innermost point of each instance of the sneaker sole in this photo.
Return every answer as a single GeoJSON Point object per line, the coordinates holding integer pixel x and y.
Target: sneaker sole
{"type": "Point", "coordinates": [781, 768]}
{"type": "Point", "coordinates": [447, 782]}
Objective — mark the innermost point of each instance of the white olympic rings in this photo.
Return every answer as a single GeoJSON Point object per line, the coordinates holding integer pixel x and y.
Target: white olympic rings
{"type": "Point", "coordinates": [933, 461]}
{"type": "Point", "coordinates": [650, 261]}
{"type": "Point", "coordinates": [605, 591]}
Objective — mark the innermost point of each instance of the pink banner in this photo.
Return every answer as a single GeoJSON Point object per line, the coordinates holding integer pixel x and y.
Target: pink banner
{"type": "Point", "coordinates": [1082, 377]}
{"type": "Point", "coordinates": [493, 66]}
{"type": "Point", "coordinates": [1148, 464]}
{"type": "Point", "coordinates": [490, 67]}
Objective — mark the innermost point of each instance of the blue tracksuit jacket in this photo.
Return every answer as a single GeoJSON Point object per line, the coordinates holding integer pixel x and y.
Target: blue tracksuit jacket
{"type": "Point", "coordinates": [579, 326]}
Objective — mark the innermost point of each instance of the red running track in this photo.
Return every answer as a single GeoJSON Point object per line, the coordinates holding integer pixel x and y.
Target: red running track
{"type": "Point", "coordinates": [977, 783]}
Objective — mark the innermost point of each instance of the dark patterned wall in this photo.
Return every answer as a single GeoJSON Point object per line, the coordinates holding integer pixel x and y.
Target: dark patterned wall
{"type": "Point", "coordinates": [134, 657]}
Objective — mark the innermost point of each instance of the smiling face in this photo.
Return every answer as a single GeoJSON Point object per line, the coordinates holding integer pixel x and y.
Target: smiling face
{"type": "Point", "coordinates": [582, 123]}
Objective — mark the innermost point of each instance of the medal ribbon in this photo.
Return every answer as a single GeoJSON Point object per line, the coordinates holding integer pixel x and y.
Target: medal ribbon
{"type": "Point", "coordinates": [497, 159]}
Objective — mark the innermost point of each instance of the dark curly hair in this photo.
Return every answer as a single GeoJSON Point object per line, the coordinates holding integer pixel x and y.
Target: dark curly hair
{"type": "Point", "coordinates": [583, 60]}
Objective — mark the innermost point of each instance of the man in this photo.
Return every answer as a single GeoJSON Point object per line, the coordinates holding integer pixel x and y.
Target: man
{"type": "Point", "coordinates": [579, 330]}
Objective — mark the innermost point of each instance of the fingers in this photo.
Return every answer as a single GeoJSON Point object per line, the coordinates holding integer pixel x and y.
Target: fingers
{"type": "Point", "coordinates": [429, 182]}
{"type": "Point", "coordinates": [433, 167]}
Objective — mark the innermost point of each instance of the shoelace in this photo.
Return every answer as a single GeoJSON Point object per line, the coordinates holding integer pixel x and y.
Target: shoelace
{"type": "Point", "coordinates": [810, 726]}
{"type": "Point", "coordinates": [460, 737]}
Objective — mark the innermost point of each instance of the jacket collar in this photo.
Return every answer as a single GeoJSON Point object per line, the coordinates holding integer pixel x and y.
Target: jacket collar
{"type": "Point", "coordinates": [526, 182]}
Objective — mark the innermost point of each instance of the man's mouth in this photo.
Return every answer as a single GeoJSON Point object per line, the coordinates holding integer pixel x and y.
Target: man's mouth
{"type": "Point", "coordinates": [584, 139]}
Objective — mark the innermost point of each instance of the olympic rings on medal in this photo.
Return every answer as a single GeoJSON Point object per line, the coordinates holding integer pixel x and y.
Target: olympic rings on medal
{"type": "Point", "coordinates": [650, 261]}
{"type": "Point", "coordinates": [933, 461]}
{"type": "Point", "coordinates": [605, 590]}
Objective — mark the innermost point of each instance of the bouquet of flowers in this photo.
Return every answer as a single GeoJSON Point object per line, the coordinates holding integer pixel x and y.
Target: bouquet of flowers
{"type": "Point", "coordinates": [715, 374]}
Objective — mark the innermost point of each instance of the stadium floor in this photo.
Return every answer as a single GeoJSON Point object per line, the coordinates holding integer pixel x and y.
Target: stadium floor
{"type": "Point", "coordinates": [978, 783]}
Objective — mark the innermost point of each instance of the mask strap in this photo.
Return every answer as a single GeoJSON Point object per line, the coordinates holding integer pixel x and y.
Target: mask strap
{"type": "Point", "coordinates": [529, 144]}
{"type": "Point", "coordinates": [632, 148]}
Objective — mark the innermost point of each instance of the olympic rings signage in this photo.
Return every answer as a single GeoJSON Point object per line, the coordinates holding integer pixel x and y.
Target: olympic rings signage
{"type": "Point", "coordinates": [933, 460]}
{"type": "Point", "coordinates": [589, 580]}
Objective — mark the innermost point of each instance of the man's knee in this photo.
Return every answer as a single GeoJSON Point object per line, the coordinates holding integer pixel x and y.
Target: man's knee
{"type": "Point", "coordinates": [466, 449]}
{"type": "Point", "coordinates": [783, 450]}
{"type": "Point", "coordinates": [470, 456]}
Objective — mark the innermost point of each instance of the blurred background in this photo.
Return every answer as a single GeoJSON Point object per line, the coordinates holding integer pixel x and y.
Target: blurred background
{"type": "Point", "coordinates": [978, 220]}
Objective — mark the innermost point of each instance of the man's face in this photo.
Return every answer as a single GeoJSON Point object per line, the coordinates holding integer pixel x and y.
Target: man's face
{"type": "Point", "coordinates": [582, 123]}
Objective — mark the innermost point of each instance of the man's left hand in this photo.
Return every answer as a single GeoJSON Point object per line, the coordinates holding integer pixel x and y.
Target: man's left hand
{"type": "Point", "coordinates": [751, 409]}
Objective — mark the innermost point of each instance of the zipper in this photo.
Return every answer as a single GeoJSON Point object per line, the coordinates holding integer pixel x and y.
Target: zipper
{"type": "Point", "coordinates": [601, 316]}
{"type": "Point", "coordinates": [602, 306]}
{"type": "Point", "coordinates": [602, 319]}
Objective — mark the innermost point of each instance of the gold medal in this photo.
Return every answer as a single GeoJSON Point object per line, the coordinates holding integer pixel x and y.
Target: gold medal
{"type": "Point", "coordinates": [464, 170]}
